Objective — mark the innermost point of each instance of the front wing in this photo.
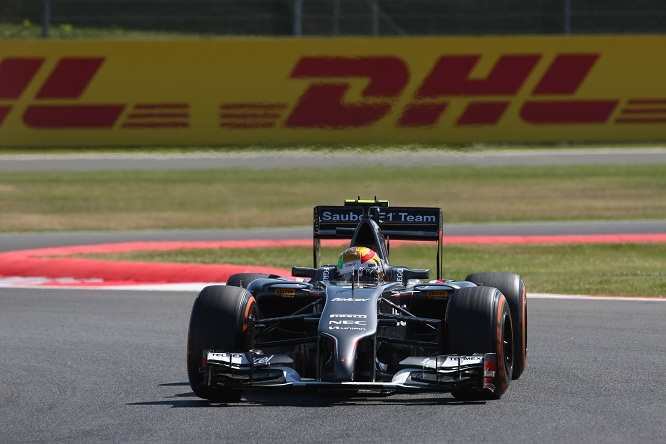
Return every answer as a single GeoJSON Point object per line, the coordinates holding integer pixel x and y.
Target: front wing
{"type": "Point", "coordinates": [441, 373]}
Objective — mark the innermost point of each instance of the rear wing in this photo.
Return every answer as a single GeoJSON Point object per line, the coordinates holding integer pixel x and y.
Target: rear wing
{"type": "Point", "coordinates": [397, 223]}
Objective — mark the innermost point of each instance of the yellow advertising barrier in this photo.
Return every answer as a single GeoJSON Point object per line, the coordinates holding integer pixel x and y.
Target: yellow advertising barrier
{"type": "Point", "coordinates": [355, 90]}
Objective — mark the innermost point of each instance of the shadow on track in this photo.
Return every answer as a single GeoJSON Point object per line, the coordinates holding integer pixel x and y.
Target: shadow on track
{"type": "Point", "coordinates": [266, 398]}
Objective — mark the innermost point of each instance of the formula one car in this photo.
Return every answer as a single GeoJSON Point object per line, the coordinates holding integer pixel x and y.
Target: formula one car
{"type": "Point", "coordinates": [362, 326]}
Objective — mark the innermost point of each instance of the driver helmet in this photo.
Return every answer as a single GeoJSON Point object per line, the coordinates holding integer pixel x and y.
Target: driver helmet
{"type": "Point", "coordinates": [362, 260]}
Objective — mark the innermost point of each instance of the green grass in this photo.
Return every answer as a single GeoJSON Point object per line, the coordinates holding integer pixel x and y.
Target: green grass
{"type": "Point", "coordinates": [237, 198]}
{"type": "Point", "coordinates": [592, 269]}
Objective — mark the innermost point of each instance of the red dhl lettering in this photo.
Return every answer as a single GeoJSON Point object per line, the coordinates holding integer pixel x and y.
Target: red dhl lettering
{"type": "Point", "coordinates": [644, 111]}
{"type": "Point", "coordinates": [250, 115]}
{"type": "Point", "coordinates": [566, 74]}
{"type": "Point", "coordinates": [322, 104]}
{"type": "Point", "coordinates": [325, 103]}
{"type": "Point", "coordinates": [67, 82]}
{"type": "Point", "coordinates": [16, 74]}
{"type": "Point", "coordinates": [71, 116]}
{"type": "Point", "coordinates": [451, 76]}
{"type": "Point", "coordinates": [70, 78]}
{"type": "Point", "coordinates": [158, 115]}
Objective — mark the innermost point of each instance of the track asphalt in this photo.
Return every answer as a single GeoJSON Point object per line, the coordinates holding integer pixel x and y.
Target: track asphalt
{"type": "Point", "coordinates": [280, 158]}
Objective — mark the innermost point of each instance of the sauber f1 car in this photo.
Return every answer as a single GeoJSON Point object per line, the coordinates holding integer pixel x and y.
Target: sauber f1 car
{"type": "Point", "coordinates": [361, 326]}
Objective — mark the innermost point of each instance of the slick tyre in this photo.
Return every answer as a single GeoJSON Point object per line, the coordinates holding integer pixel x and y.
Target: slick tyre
{"type": "Point", "coordinates": [478, 320]}
{"type": "Point", "coordinates": [219, 321]}
{"type": "Point", "coordinates": [244, 279]}
{"type": "Point", "coordinates": [513, 289]}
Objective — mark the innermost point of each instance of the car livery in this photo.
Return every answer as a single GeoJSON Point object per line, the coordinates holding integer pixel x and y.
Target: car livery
{"type": "Point", "coordinates": [401, 332]}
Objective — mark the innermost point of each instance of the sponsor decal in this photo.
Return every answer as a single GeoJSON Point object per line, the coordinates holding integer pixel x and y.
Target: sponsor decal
{"type": "Point", "coordinates": [359, 316]}
{"type": "Point", "coordinates": [350, 300]}
{"type": "Point", "coordinates": [347, 322]}
{"type": "Point", "coordinates": [348, 267]}
{"type": "Point", "coordinates": [406, 217]}
{"type": "Point", "coordinates": [263, 360]}
{"type": "Point", "coordinates": [285, 292]}
{"type": "Point", "coordinates": [356, 322]}
{"type": "Point", "coordinates": [396, 215]}
{"type": "Point", "coordinates": [58, 104]}
{"type": "Point", "coordinates": [324, 104]}
{"type": "Point", "coordinates": [488, 99]}
{"type": "Point", "coordinates": [251, 115]}
{"type": "Point", "coordinates": [337, 327]}
{"type": "Point", "coordinates": [437, 294]}
{"type": "Point", "coordinates": [230, 358]}
{"type": "Point", "coordinates": [239, 358]}
{"type": "Point", "coordinates": [451, 361]}
{"type": "Point", "coordinates": [484, 91]}
{"type": "Point", "coordinates": [399, 274]}
{"type": "Point", "coordinates": [346, 216]}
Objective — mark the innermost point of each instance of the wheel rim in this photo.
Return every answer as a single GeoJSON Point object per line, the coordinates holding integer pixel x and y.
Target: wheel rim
{"type": "Point", "coordinates": [507, 346]}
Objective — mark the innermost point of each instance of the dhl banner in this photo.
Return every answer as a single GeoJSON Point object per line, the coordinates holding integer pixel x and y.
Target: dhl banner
{"type": "Point", "coordinates": [346, 90]}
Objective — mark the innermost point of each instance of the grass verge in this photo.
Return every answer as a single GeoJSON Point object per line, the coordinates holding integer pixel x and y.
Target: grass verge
{"type": "Point", "coordinates": [591, 269]}
{"type": "Point", "coordinates": [237, 198]}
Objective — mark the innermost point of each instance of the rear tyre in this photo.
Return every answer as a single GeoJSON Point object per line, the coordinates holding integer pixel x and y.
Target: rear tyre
{"type": "Point", "coordinates": [244, 279]}
{"type": "Point", "coordinates": [513, 289]}
{"type": "Point", "coordinates": [219, 321]}
{"type": "Point", "coordinates": [478, 320]}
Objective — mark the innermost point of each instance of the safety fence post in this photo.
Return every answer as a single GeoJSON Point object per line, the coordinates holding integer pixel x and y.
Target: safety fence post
{"type": "Point", "coordinates": [566, 16]}
{"type": "Point", "coordinates": [46, 19]}
{"type": "Point", "coordinates": [298, 18]}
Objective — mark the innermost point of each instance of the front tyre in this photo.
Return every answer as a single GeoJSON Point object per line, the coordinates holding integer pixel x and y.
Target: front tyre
{"type": "Point", "coordinates": [219, 321]}
{"type": "Point", "coordinates": [478, 320]}
{"type": "Point", "coordinates": [513, 289]}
